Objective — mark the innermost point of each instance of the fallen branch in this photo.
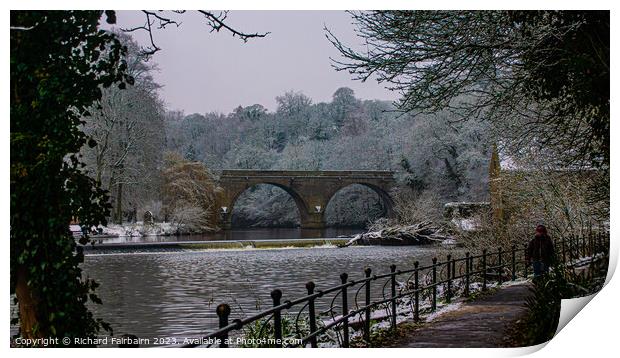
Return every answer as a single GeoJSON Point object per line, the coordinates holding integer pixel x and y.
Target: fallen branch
{"type": "Point", "coordinates": [422, 233]}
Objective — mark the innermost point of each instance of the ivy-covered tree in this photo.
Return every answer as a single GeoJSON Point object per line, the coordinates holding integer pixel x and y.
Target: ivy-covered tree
{"type": "Point", "coordinates": [60, 60]}
{"type": "Point", "coordinates": [60, 63]}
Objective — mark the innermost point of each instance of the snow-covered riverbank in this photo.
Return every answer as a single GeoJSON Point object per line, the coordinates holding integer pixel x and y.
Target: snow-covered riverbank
{"type": "Point", "coordinates": [138, 229]}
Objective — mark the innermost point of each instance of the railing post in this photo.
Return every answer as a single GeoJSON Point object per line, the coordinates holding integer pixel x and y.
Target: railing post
{"type": "Point", "coordinates": [564, 251]}
{"type": "Point", "coordinates": [499, 265]}
{"type": "Point", "coordinates": [484, 269]}
{"type": "Point", "coordinates": [525, 266]}
{"type": "Point", "coordinates": [514, 261]}
{"type": "Point", "coordinates": [416, 287]}
{"type": "Point", "coordinates": [276, 295]}
{"type": "Point", "coordinates": [575, 249]}
{"type": "Point", "coordinates": [471, 264]}
{"type": "Point", "coordinates": [434, 303]}
{"type": "Point", "coordinates": [311, 311]}
{"type": "Point", "coordinates": [223, 311]}
{"type": "Point", "coordinates": [466, 274]}
{"type": "Point", "coordinates": [367, 271]}
{"type": "Point", "coordinates": [453, 268]}
{"type": "Point", "coordinates": [393, 276]}
{"type": "Point", "coordinates": [448, 279]}
{"type": "Point", "coordinates": [345, 311]}
{"type": "Point", "coordinates": [595, 243]}
{"type": "Point", "coordinates": [584, 251]}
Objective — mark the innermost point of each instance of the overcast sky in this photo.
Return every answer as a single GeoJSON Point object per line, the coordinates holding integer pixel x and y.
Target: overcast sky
{"type": "Point", "coordinates": [203, 72]}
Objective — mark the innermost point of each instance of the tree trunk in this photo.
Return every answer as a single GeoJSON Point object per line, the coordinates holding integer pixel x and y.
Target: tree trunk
{"type": "Point", "coordinates": [119, 204]}
{"type": "Point", "coordinates": [99, 170]}
{"type": "Point", "coordinates": [27, 303]}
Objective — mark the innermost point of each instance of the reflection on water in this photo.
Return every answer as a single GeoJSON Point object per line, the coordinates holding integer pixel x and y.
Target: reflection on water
{"type": "Point", "coordinates": [242, 235]}
{"type": "Point", "coordinates": [175, 294]}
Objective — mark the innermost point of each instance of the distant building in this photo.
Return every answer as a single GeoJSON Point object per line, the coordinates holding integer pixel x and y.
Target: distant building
{"type": "Point", "coordinates": [524, 193]}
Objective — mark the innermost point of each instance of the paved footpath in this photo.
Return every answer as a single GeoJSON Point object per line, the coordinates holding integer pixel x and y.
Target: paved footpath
{"type": "Point", "coordinates": [481, 323]}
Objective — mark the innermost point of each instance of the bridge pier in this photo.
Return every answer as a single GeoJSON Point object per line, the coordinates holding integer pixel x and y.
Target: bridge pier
{"type": "Point", "coordinates": [225, 220]}
{"type": "Point", "coordinates": [314, 221]}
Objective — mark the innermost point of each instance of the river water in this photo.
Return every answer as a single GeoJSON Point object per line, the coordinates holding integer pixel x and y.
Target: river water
{"type": "Point", "coordinates": [174, 294]}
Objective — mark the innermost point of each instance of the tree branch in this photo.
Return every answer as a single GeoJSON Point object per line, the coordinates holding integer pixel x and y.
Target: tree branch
{"type": "Point", "coordinates": [160, 20]}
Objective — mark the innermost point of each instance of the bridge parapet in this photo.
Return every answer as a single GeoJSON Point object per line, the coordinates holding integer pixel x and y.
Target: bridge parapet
{"type": "Point", "coordinates": [307, 174]}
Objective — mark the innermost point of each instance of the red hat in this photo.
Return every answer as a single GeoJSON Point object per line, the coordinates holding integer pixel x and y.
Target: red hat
{"type": "Point", "coordinates": [541, 230]}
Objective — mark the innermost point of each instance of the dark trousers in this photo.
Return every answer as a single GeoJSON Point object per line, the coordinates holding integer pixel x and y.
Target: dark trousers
{"type": "Point", "coordinates": [540, 268]}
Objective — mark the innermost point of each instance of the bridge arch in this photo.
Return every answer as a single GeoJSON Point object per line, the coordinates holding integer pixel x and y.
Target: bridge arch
{"type": "Point", "coordinates": [311, 190]}
{"type": "Point", "coordinates": [383, 195]}
{"type": "Point", "coordinates": [297, 198]}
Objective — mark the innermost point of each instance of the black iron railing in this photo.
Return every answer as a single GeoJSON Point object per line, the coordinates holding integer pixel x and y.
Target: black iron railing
{"type": "Point", "coordinates": [337, 314]}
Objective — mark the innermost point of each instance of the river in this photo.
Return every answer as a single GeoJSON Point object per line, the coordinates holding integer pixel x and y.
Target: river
{"type": "Point", "coordinates": [174, 294]}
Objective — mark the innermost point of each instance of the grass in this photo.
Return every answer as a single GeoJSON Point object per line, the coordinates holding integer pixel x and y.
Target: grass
{"type": "Point", "coordinates": [386, 337]}
{"type": "Point", "coordinates": [544, 305]}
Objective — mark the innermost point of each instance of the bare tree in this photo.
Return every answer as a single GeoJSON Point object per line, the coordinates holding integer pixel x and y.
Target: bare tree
{"type": "Point", "coordinates": [127, 125]}
{"type": "Point", "coordinates": [542, 76]}
{"type": "Point", "coordinates": [189, 194]}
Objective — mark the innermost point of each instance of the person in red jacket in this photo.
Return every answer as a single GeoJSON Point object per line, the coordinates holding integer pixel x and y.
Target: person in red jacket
{"type": "Point", "coordinates": [540, 252]}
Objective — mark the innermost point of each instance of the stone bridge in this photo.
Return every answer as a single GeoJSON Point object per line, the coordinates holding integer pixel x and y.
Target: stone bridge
{"type": "Point", "coordinates": [311, 190]}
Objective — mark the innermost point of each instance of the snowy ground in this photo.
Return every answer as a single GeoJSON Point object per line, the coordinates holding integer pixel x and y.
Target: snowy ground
{"type": "Point", "coordinates": [137, 229]}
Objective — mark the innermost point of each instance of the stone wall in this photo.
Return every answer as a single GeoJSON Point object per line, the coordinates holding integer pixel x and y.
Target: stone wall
{"type": "Point", "coordinates": [560, 198]}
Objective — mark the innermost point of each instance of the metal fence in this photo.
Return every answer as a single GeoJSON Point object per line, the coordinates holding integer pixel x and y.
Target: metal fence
{"type": "Point", "coordinates": [351, 307]}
